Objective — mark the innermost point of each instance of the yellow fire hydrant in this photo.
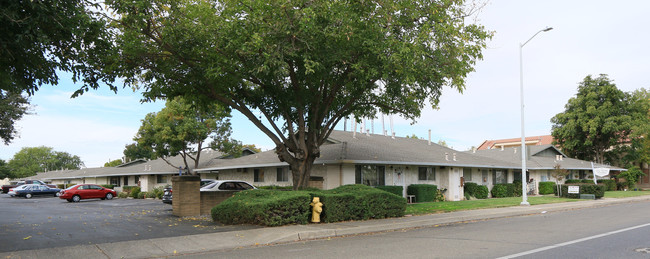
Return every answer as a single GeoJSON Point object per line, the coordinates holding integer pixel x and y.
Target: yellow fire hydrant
{"type": "Point", "coordinates": [316, 210]}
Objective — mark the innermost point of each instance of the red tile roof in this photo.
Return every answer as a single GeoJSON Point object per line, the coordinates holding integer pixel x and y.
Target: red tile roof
{"type": "Point", "coordinates": [498, 143]}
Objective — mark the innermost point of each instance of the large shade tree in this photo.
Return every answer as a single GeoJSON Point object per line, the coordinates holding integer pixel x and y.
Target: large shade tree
{"type": "Point", "coordinates": [598, 120]}
{"type": "Point", "coordinates": [31, 160]}
{"type": "Point", "coordinates": [185, 129]}
{"type": "Point", "coordinates": [39, 40]}
{"type": "Point", "coordinates": [296, 68]}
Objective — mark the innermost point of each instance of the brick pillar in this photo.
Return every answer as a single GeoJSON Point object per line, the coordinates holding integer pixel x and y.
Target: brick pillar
{"type": "Point", "coordinates": [186, 196]}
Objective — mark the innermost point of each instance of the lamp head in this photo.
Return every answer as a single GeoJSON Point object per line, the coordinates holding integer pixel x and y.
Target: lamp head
{"type": "Point", "coordinates": [547, 29]}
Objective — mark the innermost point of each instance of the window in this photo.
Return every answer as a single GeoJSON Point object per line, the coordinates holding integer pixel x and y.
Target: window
{"type": "Point", "coordinates": [258, 175]}
{"type": "Point", "coordinates": [161, 178]}
{"type": "Point", "coordinates": [467, 174]}
{"type": "Point", "coordinates": [283, 174]}
{"type": "Point", "coordinates": [371, 175]}
{"type": "Point", "coordinates": [582, 174]}
{"type": "Point", "coordinates": [115, 181]}
{"type": "Point", "coordinates": [427, 173]}
{"type": "Point", "coordinates": [499, 176]}
{"type": "Point", "coordinates": [126, 180]}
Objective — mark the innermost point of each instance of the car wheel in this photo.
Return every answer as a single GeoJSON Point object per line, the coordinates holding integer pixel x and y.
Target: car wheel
{"type": "Point", "coordinates": [28, 196]}
{"type": "Point", "coordinates": [109, 196]}
{"type": "Point", "coordinates": [76, 198]}
{"type": "Point", "coordinates": [69, 200]}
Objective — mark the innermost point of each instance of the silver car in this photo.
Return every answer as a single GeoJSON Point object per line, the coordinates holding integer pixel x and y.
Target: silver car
{"type": "Point", "coordinates": [227, 185]}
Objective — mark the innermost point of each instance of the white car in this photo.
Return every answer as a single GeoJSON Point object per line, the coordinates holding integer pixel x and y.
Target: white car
{"type": "Point", "coordinates": [12, 191]}
{"type": "Point", "coordinates": [227, 185]}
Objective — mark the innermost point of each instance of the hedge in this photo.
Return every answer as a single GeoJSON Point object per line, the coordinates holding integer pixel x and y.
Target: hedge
{"type": "Point", "coordinates": [611, 184]}
{"type": "Point", "coordinates": [571, 181]}
{"type": "Point", "coordinates": [597, 190]}
{"type": "Point", "coordinates": [397, 190]}
{"type": "Point", "coordinates": [108, 186]}
{"type": "Point", "coordinates": [422, 192]}
{"type": "Point", "coordinates": [477, 191]}
{"type": "Point", "coordinates": [276, 208]}
{"type": "Point", "coordinates": [546, 188]}
{"type": "Point", "coordinates": [503, 190]}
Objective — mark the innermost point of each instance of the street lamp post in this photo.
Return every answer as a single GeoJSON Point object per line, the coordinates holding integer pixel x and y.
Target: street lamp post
{"type": "Point", "coordinates": [524, 181]}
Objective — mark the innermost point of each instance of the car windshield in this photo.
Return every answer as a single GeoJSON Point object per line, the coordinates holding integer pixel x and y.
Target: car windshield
{"type": "Point", "coordinates": [72, 186]}
{"type": "Point", "coordinates": [209, 186]}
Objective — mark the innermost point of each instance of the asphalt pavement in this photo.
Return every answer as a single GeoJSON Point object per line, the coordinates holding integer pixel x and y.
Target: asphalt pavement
{"type": "Point", "coordinates": [201, 243]}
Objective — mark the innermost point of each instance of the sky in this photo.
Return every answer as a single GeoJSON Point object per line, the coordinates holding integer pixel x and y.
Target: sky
{"type": "Point", "coordinates": [588, 38]}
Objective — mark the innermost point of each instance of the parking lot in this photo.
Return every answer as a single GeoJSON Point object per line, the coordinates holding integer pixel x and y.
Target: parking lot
{"type": "Point", "coordinates": [45, 222]}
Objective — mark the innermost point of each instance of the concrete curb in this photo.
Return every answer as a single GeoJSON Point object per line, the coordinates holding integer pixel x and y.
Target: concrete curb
{"type": "Point", "coordinates": [201, 243]}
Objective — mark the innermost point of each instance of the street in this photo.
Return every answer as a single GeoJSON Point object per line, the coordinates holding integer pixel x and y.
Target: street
{"type": "Point", "coordinates": [621, 231]}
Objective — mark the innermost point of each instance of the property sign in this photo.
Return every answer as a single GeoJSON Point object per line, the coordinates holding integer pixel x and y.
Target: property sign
{"type": "Point", "coordinates": [574, 189]}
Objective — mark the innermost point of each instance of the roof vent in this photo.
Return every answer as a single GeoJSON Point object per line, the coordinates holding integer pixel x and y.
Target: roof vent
{"type": "Point", "coordinates": [515, 150]}
{"type": "Point", "coordinates": [454, 156]}
{"type": "Point", "coordinates": [501, 148]}
{"type": "Point", "coordinates": [429, 137]}
{"type": "Point", "coordinates": [446, 156]}
{"type": "Point", "coordinates": [393, 137]}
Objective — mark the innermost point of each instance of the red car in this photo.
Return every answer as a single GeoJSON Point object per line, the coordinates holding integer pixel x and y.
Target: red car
{"type": "Point", "coordinates": [87, 191]}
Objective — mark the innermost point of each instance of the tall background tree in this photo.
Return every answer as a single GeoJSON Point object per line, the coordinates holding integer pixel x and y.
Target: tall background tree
{"type": "Point", "coordinates": [185, 129]}
{"type": "Point", "coordinates": [39, 39]}
{"type": "Point", "coordinates": [601, 123]}
{"type": "Point", "coordinates": [296, 68]}
{"type": "Point", "coordinates": [31, 160]}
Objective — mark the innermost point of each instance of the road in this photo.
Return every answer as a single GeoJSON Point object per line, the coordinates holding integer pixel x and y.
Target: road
{"type": "Point", "coordinates": [617, 231]}
{"type": "Point", "coordinates": [46, 222]}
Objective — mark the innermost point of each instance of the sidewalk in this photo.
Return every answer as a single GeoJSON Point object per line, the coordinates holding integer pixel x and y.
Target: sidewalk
{"type": "Point", "coordinates": [171, 246]}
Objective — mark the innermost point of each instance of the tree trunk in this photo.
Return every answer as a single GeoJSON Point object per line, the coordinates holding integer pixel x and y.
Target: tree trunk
{"type": "Point", "coordinates": [301, 171]}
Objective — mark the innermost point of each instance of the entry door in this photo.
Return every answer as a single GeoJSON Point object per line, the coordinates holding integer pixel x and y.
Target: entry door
{"type": "Point", "coordinates": [454, 184]}
{"type": "Point", "coordinates": [398, 179]}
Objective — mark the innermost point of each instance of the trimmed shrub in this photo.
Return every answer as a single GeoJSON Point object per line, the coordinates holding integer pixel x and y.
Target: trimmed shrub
{"type": "Point", "coordinates": [571, 181]}
{"type": "Point", "coordinates": [422, 192]}
{"type": "Point", "coordinates": [397, 190]}
{"type": "Point", "coordinates": [621, 186]}
{"type": "Point", "coordinates": [157, 192]}
{"type": "Point", "coordinates": [123, 195]}
{"type": "Point", "coordinates": [587, 181]}
{"type": "Point", "coordinates": [470, 189]}
{"type": "Point", "coordinates": [108, 186]}
{"type": "Point", "coordinates": [275, 187]}
{"type": "Point", "coordinates": [134, 191]}
{"type": "Point", "coordinates": [503, 190]}
{"type": "Point", "coordinates": [546, 188]}
{"type": "Point", "coordinates": [150, 195]}
{"type": "Point", "coordinates": [611, 184]}
{"type": "Point", "coordinates": [140, 195]}
{"type": "Point", "coordinates": [481, 192]}
{"type": "Point", "coordinates": [275, 207]}
{"type": "Point", "coordinates": [596, 190]}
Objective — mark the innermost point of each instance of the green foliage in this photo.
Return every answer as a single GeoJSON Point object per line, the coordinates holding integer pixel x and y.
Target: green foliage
{"type": "Point", "coordinates": [397, 190]}
{"type": "Point", "coordinates": [182, 127]}
{"type": "Point", "coordinates": [308, 68]}
{"type": "Point", "coordinates": [631, 176]}
{"type": "Point", "coordinates": [109, 186]}
{"type": "Point", "coordinates": [31, 160]}
{"type": "Point", "coordinates": [422, 192]}
{"type": "Point", "coordinates": [134, 151]}
{"type": "Point", "coordinates": [276, 207]}
{"type": "Point", "coordinates": [133, 191]}
{"type": "Point", "coordinates": [502, 190]}
{"type": "Point", "coordinates": [4, 170]}
{"type": "Point", "coordinates": [141, 195]}
{"type": "Point", "coordinates": [113, 163]}
{"type": "Point", "coordinates": [475, 190]}
{"type": "Point", "coordinates": [150, 195]}
{"type": "Point", "coordinates": [596, 119]}
{"type": "Point", "coordinates": [13, 106]}
{"type": "Point", "coordinates": [157, 192]}
{"type": "Point", "coordinates": [597, 190]}
{"type": "Point", "coordinates": [610, 184]}
{"type": "Point", "coordinates": [439, 196]}
{"type": "Point", "coordinates": [275, 187]}
{"type": "Point", "coordinates": [123, 195]}
{"type": "Point", "coordinates": [546, 188]}
{"type": "Point", "coordinates": [568, 181]}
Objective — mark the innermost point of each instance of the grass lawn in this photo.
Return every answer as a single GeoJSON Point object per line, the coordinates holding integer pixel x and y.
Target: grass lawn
{"type": "Point", "coordinates": [449, 206]}
{"type": "Point", "coordinates": [625, 194]}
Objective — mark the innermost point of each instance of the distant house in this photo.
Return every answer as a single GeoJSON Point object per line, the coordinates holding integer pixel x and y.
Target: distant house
{"type": "Point", "coordinates": [516, 142]}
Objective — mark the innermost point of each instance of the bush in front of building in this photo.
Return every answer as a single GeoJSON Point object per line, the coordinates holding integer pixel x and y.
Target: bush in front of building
{"type": "Point", "coordinates": [597, 190]}
{"type": "Point", "coordinates": [157, 192]}
{"type": "Point", "coordinates": [123, 195]}
{"type": "Point", "coordinates": [422, 192]}
{"type": "Point", "coordinates": [108, 186]}
{"type": "Point", "coordinates": [264, 207]}
{"type": "Point", "coordinates": [276, 208]}
{"type": "Point", "coordinates": [475, 190]}
{"type": "Point", "coordinates": [609, 183]}
{"type": "Point", "coordinates": [141, 195]}
{"type": "Point", "coordinates": [572, 181]}
{"type": "Point", "coordinates": [276, 187]}
{"type": "Point", "coordinates": [133, 191]}
{"type": "Point", "coordinates": [502, 190]}
{"type": "Point", "coordinates": [546, 188]}
{"type": "Point", "coordinates": [397, 190]}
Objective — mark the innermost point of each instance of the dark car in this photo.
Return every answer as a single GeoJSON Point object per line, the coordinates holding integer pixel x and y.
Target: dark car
{"type": "Point", "coordinates": [87, 191]}
{"type": "Point", "coordinates": [37, 190]}
{"type": "Point", "coordinates": [167, 192]}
